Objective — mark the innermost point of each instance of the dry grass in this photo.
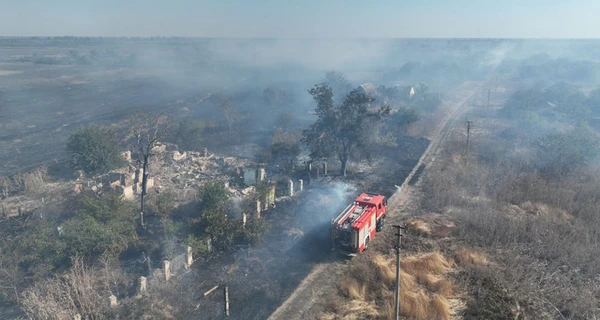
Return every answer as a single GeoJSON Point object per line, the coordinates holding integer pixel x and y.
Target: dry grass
{"type": "Point", "coordinates": [351, 288]}
{"type": "Point", "coordinates": [385, 270]}
{"type": "Point", "coordinates": [442, 231]}
{"type": "Point", "coordinates": [430, 263]}
{"type": "Point", "coordinates": [420, 227]}
{"type": "Point", "coordinates": [414, 304]}
{"type": "Point", "coordinates": [369, 289]}
{"type": "Point", "coordinates": [431, 226]}
{"type": "Point", "coordinates": [358, 309]}
{"type": "Point", "coordinates": [470, 256]}
{"type": "Point", "coordinates": [438, 285]}
{"type": "Point", "coordinates": [439, 308]}
{"type": "Point", "coordinates": [538, 208]}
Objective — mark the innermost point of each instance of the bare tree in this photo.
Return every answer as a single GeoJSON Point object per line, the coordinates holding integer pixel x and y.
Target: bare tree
{"type": "Point", "coordinates": [74, 293]}
{"type": "Point", "coordinates": [147, 129]}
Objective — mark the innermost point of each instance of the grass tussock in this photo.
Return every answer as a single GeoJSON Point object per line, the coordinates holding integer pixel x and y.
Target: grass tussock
{"type": "Point", "coordinates": [384, 269]}
{"type": "Point", "coordinates": [419, 227]}
{"type": "Point", "coordinates": [438, 285]}
{"type": "Point", "coordinates": [470, 257]}
{"type": "Point", "coordinates": [539, 208]}
{"type": "Point", "coordinates": [358, 310]}
{"type": "Point", "coordinates": [430, 263]}
{"type": "Point", "coordinates": [439, 308]}
{"type": "Point", "coordinates": [368, 289]}
{"type": "Point", "coordinates": [414, 304]}
{"type": "Point", "coordinates": [351, 288]}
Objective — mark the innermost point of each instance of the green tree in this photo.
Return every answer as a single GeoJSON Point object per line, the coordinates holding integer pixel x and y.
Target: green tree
{"type": "Point", "coordinates": [341, 129]}
{"type": "Point", "coordinates": [94, 149]}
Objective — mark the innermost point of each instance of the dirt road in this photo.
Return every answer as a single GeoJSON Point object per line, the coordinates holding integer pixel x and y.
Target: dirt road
{"type": "Point", "coordinates": [303, 303]}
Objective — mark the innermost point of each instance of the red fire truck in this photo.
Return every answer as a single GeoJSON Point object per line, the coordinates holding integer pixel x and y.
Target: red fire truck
{"type": "Point", "coordinates": [352, 230]}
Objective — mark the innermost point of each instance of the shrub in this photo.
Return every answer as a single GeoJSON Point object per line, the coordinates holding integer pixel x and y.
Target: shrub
{"type": "Point", "coordinates": [214, 196]}
{"type": "Point", "coordinates": [103, 224]}
{"type": "Point", "coordinates": [94, 149]}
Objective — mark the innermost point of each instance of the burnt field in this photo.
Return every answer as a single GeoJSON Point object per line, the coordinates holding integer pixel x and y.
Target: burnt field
{"type": "Point", "coordinates": [44, 96]}
{"type": "Point", "coordinates": [260, 278]}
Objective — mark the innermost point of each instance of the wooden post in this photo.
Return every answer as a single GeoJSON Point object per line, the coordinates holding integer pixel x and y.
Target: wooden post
{"type": "Point", "coordinates": [210, 291]}
{"type": "Point", "coordinates": [227, 301]}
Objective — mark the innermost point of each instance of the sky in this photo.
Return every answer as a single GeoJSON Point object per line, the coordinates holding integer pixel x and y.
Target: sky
{"type": "Point", "coordinates": [303, 18]}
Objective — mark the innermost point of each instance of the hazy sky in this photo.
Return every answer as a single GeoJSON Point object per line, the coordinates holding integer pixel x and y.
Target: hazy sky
{"type": "Point", "coordinates": [302, 18]}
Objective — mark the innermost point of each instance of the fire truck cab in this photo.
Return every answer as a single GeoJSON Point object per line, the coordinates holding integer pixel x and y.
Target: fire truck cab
{"type": "Point", "coordinates": [352, 229]}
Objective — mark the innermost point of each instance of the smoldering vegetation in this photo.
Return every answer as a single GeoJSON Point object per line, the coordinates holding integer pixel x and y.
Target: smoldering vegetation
{"type": "Point", "coordinates": [248, 99]}
{"type": "Point", "coordinates": [50, 86]}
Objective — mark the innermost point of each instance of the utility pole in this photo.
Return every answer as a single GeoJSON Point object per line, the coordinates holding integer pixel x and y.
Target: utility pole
{"type": "Point", "coordinates": [468, 123]}
{"type": "Point", "coordinates": [488, 103]}
{"type": "Point", "coordinates": [397, 292]}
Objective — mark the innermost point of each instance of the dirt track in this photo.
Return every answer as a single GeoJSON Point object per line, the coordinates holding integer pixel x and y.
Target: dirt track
{"type": "Point", "coordinates": [305, 301]}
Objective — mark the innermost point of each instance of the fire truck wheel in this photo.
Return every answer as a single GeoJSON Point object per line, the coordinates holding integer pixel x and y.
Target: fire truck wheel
{"type": "Point", "coordinates": [380, 224]}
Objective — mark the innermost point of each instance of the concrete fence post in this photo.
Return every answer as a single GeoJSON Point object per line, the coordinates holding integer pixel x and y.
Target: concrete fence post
{"type": "Point", "coordinates": [244, 219]}
{"type": "Point", "coordinates": [291, 188]}
{"type": "Point", "coordinates": [112, 301]}
{"type": "Point", "coordinates": [209, 245]}
{"type": "Point", "coordinates": [142, 286]}
{"type": "Point", "coordinates": [189, 259]}
{"type": "Point", "coordinates": [258, 209]}
{"type": "Point", "coordinates": [324, 168]}
{"type": "Point", "coordinates": [167, 269]}
{"type": "Point", "coordinates": [300, 185]}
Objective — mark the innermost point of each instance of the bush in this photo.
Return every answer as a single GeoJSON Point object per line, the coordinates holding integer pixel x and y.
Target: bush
{"type": "Point", "coordinates": [94, 149]}
{"type": "Point", "coordinates": [214, 196]}
{"type": "Point", "coordinates": [103, 224]}
{"type": "Point", "coordinates": [222, 230]}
